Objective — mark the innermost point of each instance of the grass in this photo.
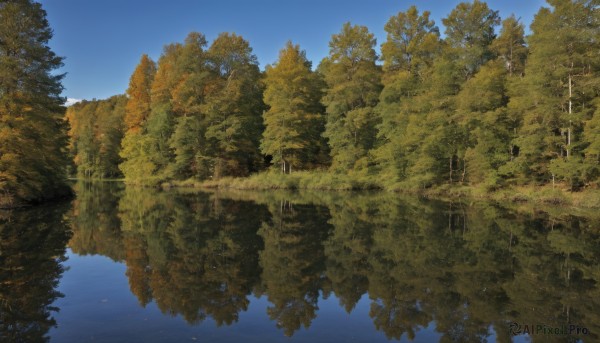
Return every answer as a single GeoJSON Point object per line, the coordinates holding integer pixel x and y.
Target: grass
{"type": "Point", "coordinates": [298, 180]}
{"type": "Point", "coordinates": [324, 181]}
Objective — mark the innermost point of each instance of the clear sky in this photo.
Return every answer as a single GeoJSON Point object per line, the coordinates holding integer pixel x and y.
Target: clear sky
{"type": "Point", "coordinates": [103, 40]}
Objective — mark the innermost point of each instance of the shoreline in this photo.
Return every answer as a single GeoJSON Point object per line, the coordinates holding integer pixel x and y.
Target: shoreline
{"type": "Point", "coordinates": [543, 195]}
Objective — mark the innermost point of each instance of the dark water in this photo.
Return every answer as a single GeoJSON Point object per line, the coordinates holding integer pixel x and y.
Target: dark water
{"type": "Point", "coordinates": [137, 265]}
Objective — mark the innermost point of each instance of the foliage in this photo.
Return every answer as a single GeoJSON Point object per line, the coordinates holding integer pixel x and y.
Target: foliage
{"type": "Point", "coordinates": [353, 86]}
{"type": "Point", "coordinates": [483, 106]}
{"type": "Point", "coordinates": [96, 131]}
{"type": "Point", "coordinates": [33, 134]}
{"type": "Point", "coordinates": [294, 120]}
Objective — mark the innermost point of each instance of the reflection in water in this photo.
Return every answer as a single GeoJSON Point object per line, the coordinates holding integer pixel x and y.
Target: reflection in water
{"type": "Point", "coordinates": [32, 249]}
{"type": "Point", "coordinates": [472, 270]}
{"type": "Point", "coordinates": [293, 262]}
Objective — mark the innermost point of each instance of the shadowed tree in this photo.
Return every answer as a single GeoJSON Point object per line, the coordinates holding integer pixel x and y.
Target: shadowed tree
{"type": "Point", "coordinates": [33, 133]}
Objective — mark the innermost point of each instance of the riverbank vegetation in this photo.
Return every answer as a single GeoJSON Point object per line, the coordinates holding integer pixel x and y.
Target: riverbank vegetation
{"type": "Point", "coordinates": [480, 110]}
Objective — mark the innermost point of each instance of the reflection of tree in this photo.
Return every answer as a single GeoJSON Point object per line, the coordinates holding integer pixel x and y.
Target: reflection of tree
{"type": "Point", "coordinates": [293, 263]}
{"type": "Point", "coordinates": [552, 285]}
{"type": "Point", "coordinates": [32, 249]}
{"type": "Point", "coordinates": [96, 226]}
{"type": "Point", "coordinates": [407, 267]}
{"type": "Point", "coordinates": [470, 269]}
{"type": "Point", "coordinates": [194, 255]}
{"type": "Point", "coordinates": [347, 250]}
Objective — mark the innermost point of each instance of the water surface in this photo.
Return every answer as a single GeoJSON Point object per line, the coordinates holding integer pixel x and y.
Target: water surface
{"type": "Point", "coordinates": [138, 265]}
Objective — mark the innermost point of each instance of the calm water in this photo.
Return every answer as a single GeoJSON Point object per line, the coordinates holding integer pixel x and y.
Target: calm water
{"type": "Point", "coordinates": [137, 265]}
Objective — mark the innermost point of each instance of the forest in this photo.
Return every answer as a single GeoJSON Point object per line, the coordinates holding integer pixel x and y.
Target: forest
{"type": "Point", "coordinates": [472, 102]}
{"type": "Point", "coordinates": [482, 104]}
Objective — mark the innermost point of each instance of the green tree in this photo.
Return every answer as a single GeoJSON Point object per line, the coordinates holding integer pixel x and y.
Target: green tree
{"type": "Point", "coordinates": [408, 54]}
{"type": "Point", "coordinates": [510, 45]}
{"type": "Point", "coordinates": [591, 135]}
{"type": "Point", "coordinates": [412, 43]}
{"type": "Point", "coordinates": [481, 109]}
{"type": "Point", "coordinates": [353, 86]}
{"type": "Point", "coordinates": [178, 94]}
{"type": "Point", "coordinates": [81, 118]}
{"type": "Point", "coordinates": [233, 108]}
{"type": "Point", "coordinates": [556, 96]}
{"type": "Point", "coordinates": [158, 152]}
{"type": "Point", "coordinates": [33, 133]}
{"type": "Point", "coordinates": [434, 145]}
{"type": "Point", "coordinates": [95, 136]}
{"type": "Point", "coordinates": [469, 33]}
{"type": "Point", "coordinates": [445, 132]}
{"type": "Point", "coordinates": [294, 121]}
{"type": "Point", "coordinates": [110, 130]}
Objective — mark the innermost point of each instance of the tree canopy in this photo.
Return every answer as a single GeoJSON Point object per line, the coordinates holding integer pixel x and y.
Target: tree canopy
{"type": "Point", "coordinates": [484, 104]}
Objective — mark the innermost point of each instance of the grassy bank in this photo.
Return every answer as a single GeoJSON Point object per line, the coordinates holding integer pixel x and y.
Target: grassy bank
{"type": "Point", "coordinates": [558, 195]}
{"type": "Point", "coordinates": [298, 180]}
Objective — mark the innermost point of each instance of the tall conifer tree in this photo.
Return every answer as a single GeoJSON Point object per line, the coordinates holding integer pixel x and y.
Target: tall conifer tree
{"type": "Point", "coordinates": [233, 107]}
{"type": "Point", "coordinates": [412, 45]}
{"type": "Point", "coordinates": [557, 94]}
{"type": "Point", "coordinates": [353, 86]}
{"type": "Point", "coordinates": [135, 145]}
{"type": "Point", "coordinates": [33, 133]}
{"type": "Point", "coordinates": [294, 121]}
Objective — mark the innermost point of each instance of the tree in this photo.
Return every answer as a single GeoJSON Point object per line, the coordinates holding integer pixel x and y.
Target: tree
{"type": "Point", "coordinates": [353, 86]}
{"type": "Point", "coordinates": [138, 93]}
{"type": "Point", "coordinates": [510, 45]}
{"type": "Point", "coordinates": [233, 107]}
{"type": "Point", "coordinates": [556, 96]}
{"type": "Point", "coordinates": [481, 109]}
{"type": "Point", "coordinates": [469, 33]}
{"type": "Point", "coordinates": [592, 151]}
{"type": "Point", "coordinates": [95, 136]}
{"type": "Point", "coordinates": [412, 42]}
{"type": "Point", "coordinates": [178, 94]}
{"type": "Point", "coordinates": [33, 133]}
{"type": "Point", "coordinates": [445, 131]}
{"type": "Point", "coordinates": [408, 54]}
{"type": "Point", "coordinates": [294, 121]}
{"type": "Point", "coordinates": [134, 146]}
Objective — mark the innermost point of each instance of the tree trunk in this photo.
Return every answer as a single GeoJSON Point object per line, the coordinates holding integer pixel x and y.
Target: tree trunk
{"type": "Point", "coordinates": [570, 113]}
{"type": "Point", "coordinates": [462, 178]}
{"type": "Point", "coordinates": [451, 158]}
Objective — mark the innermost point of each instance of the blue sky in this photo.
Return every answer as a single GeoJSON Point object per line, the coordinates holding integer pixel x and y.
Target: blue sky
{"type": "Point", "coordinates": [103, 40]}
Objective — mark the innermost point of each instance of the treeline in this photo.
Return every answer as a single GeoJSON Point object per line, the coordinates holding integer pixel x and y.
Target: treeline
{"type": "Point", "coordinates": [96, 133]}
{"type": "Point", "coordinates": [476, 106]}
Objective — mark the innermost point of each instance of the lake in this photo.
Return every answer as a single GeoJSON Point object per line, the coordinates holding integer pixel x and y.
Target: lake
{"type": "Point", "coordinates": [126, 264]}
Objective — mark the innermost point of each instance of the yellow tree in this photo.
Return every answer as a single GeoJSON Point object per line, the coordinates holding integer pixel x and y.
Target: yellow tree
{"type": "Point", "coordinates": [294, 121]}
{"type": "Point", "coordinates": [138, 93]}
{"type": "Point", "coordinates": [135, 145]}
